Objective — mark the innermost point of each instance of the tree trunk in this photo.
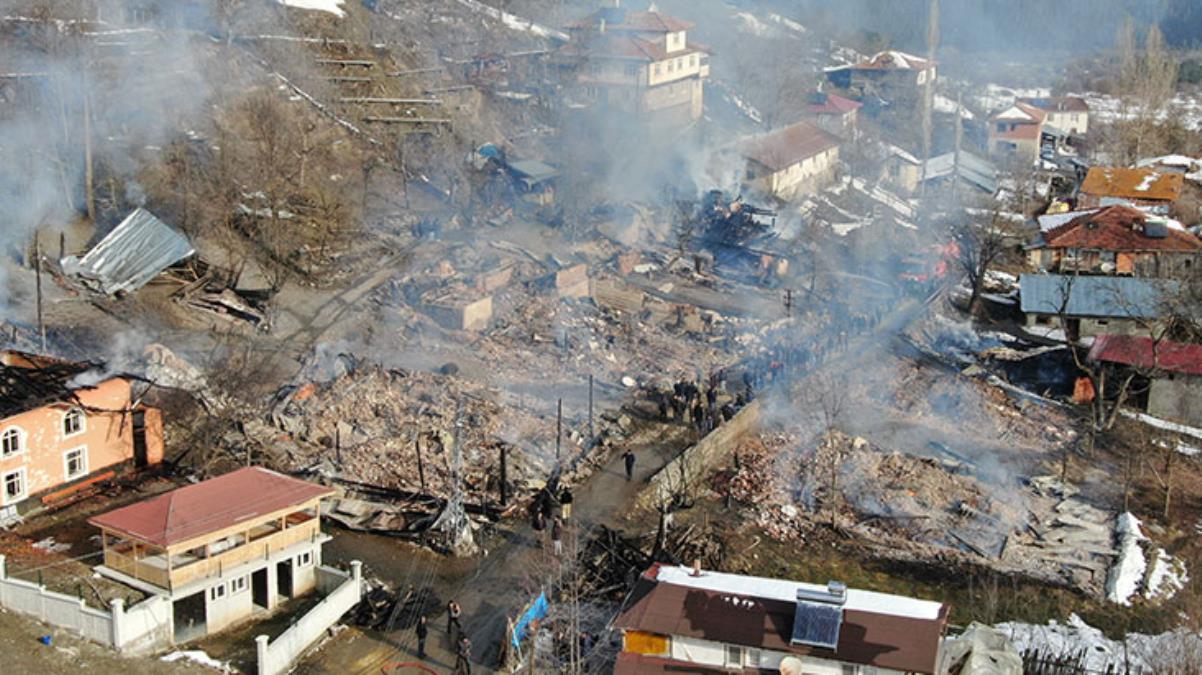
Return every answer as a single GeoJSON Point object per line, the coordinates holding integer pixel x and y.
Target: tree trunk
{"type": "Point", "coordinates": [89, 188]}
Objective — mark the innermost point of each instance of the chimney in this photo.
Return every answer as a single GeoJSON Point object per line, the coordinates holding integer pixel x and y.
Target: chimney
{"type": "Point", "coordinates": [697, 567]}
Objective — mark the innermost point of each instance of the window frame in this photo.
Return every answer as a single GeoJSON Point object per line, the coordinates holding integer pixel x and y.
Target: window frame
{"type": "Point", "coordinates": [304, 559]}
{"type": "Point", "coordinates": [24, 478]}
{"type": "Point", "coordinates": [217, 592]}
{"type": "Point", "coordinates": [240, 584]}
{"type": "Point", "coordinates": [83, 422]}
{"type": "Point", "coordinates": [22, 444]}
{"type": "Point", "coordinates": [83, 454]}
{"type": "Point", "coordinates": [728, 650]}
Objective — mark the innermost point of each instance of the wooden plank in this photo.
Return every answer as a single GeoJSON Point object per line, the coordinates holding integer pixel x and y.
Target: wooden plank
{"type": "Point", "coordinates": [406, 120]}
{"type": "Point", "coordinates": [346, 62]}
{"type": "Point", "coordinates": [396, 101]}
{"type": "Point", "coordinates": [68, 491]}
{"type": "Point", "coordinates": [444, 90]}
{"type": "Point", "coordinates": [415, 71]}
{"type": "Point", "coordinates": [347, 78]}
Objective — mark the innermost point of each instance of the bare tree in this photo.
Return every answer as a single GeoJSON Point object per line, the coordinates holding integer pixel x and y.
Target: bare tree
{"type": "Point", "coordinates": [829, 403]}
{"type": "Point", "coordinates": [980, 246]}
{"type": "Point", "coordinates": [1146, 83]}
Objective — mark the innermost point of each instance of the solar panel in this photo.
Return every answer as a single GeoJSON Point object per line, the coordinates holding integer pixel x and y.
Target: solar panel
{"type": "Point", "coordinates": [817, 624]}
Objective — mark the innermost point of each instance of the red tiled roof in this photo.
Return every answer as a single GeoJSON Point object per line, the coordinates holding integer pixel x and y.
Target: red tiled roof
{"type": "Point", "coordinates": [789, 145]}
{"type": "Point", "coordinates": [1022, 132]}
{"type": "Point", "coordinates": [618, 46]}
{"type": "Point", "coordinates": [206, 507]}
{"type": "Point", "coordinates": [832, 105]}
{"type": "Point", "coordinates": [1117, 228]}
{"type": "Point", "coordinates": [633, 21]}
{"type": "Point", "coordinates": [1143, 352]}
{"type": "Point", "coordinates": [1105, 181]}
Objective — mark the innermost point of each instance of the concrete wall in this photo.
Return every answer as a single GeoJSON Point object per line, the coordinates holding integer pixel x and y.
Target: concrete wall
{"type": "Point", "coordinates": [276, 657]}
{"type": "Point", "coordinates": [1178, 398]}
{"type": "Point", "coordinates": [697, 460]}
{"type": "Point", "coordinates": [144, 627]}
{"type": "Point", "coordinates": [711, 653]}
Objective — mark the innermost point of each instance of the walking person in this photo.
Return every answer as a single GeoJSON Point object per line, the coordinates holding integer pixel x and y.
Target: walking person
{"type": "Point", "coordinates": [463, 653]}
{"type": "Point", "coordinates": [557, 537]}
{"type": "Point", "coordinates": [453, 613]}
{"type": "Point", "coordinates": [629, 459]}
{"type": "Point", "coordinates": [422, 631]}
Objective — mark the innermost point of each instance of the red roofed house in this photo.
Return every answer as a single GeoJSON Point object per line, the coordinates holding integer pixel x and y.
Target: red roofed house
{"type": "Point", "coordinates": [833, 112]}
{"type": "Point", "coordinates": [1117, 240]}
{"type": "Point", "coordinates": [695, 621]}
{"type": "Point", "coordinates": [1016, 132]}
{"type": "Point", "coordinates": [1175, 391]}
{"type": "Point", "coordinates": [638, 62]}
{"type": "Point", "coordinates": [220, 549]}
{"type": "Point", "coordinates": [1069, 114]}
{"type": "Point", "coordinates": [798, 159]}
{"type": "Point", "coordinates": [1106, 185]}
{"type": "Point", "coordinates": [63, 429]}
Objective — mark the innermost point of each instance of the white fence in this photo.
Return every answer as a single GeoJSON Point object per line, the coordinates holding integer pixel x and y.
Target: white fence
{"type": "Point", "coordinates": [277, 657]}
{"type": "Point", "coordinates": [144, 627]}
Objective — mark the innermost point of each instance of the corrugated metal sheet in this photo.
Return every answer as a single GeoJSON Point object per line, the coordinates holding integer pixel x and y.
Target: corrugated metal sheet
{"type": "Point", "coordinates": [135, 252]}
{"type": "Point", "coordinates": [1114, 297]}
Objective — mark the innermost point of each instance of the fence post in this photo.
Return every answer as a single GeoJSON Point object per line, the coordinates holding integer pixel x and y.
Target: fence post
{"type": "Point", "coordinates": [3, 586]}
{"type": "Point", "coordinates": [357, 575]}
{"type": "Point", "coordinates": [261, 654]}
{"type": "Point", "coordinates": [117, 611]}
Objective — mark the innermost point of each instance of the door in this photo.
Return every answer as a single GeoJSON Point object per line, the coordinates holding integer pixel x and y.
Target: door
{"type": "Point", "coordinates": [189, 615]}
{"type": "Point", "coordinates": [258, 589]}
{"type": "Point", "coordinates": [283, 578]}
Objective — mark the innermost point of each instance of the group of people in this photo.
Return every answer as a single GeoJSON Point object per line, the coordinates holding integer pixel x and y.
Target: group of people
{"type": "Point", "coordinates": [456, 635]}
{"type": "Point", "coordinates": [697, 404]}
{"type": "Point", "coordinates": [543, 516]}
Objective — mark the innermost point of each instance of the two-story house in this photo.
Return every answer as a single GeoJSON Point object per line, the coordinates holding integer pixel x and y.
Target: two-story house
{"type": "Point", "coordinates": [1069, 114]}
{"type": "Point", "coordinates": [801, 158]}
{"type": "Point", "coordinates": [891, 75]}
{"type": "Point", "coordinates": [1017, 132]}
{"type": "Point", "coordinates": [833, 112]}
{"type": "Point", "coordinates": [1116, 240]}
{"type": "Point", "coordinates": [691, 620]}
{"type": "Point", "coordinates": [219, 550]}
{"type": "Point", "coordinates": [64, 428]}
{"type": "Point", "coordinates": [641, 63]}
{"type": "Point", "coordinates": [1147, 188]}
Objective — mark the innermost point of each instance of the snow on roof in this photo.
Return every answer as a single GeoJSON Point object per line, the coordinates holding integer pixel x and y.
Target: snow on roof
{"type": "Point", "coordinates": [332, 6]}
{"type": "Point", "coordinates": [1168, 160]}
{"type": "Point", "coordinates": [785, 590]}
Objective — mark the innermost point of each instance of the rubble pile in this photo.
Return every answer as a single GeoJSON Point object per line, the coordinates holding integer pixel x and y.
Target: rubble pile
{"type": "Point", "coordinates": [366, 426]}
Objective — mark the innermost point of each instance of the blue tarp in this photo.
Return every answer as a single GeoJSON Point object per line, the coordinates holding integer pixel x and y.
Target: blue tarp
{"type": "Point", "coordinates": [537, 610]}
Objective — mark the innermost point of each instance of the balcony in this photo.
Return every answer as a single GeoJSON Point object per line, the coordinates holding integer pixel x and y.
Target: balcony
{"type": "Point", "coordinates": [155, 566]}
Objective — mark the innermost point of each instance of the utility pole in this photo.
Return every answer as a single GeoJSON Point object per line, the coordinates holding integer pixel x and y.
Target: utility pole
{"type": "Point", "coordinates": [87, 148]}
{"type": "Point", "coordinates": [558, 428]}
{"type": "Point", "coordinates": [504, 476]}
{"type": "Point", "coordinates": [959, 141]}
{"type": "Point", "coordinates": [421, 467]}
{"type": "Point", "coordinates": [591, 434]}
{"type": "Point", "coordinates": [928, 92]}
{"type": "Point", "coordinates": [37, 256]}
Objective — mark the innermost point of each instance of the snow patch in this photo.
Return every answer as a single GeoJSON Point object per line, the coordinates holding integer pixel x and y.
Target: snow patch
{"type": "Point", "coordinates": [1164, 425]}
{"type": "Point", "coordinates": [1140, 653]}
{"type": "Point", "coordinates": [199, 657]}
{"type": "Point", "coordinates": [748, 23]}
{"type": "Point", "coordinates": [1128, 570]}
{"type": "Point", "coordinates": [1167, 576]}
{"type": "Point", "coordinates": [332, 6]}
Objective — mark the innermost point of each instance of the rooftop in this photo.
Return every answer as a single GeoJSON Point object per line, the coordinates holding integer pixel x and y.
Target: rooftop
{"type": "Point", "coordinates": [28, 381]}
{"type": "Point", "coordinates": [1119, 228]}
{"type": "Point", "coordinates": [893, 59]}
{"type": "Point", "coordinates": [1094, 296]}
{"type": "Point", "coordinates": [1058, 103]}
{"type": "Point", "coordinates": [878, 629]}
{"type": "Point", "coordinates": [1133, 183]}
{"type": "Point", "coordinates": [207, 507]}
{"type": "Point", "coordinates": [788, 145]}
{"type": "Point", "coordinates": [822, 103]}
{"type": "Point", "coordinates": [621, 19]}
{"type": "Point", "coordinates": [1144, 352]}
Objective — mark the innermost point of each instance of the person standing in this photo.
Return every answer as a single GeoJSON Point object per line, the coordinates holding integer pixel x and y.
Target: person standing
{"type": "Point", "coordinates": [565, 502]}
{"type": "Point", "coordinates": [629, 459]}
{"type": "Point", "coordinates": [422, 631]}
{"type": "Point", "coordinates": [557, 537]}
{"type": "Point", "coordinates": [453, 612]}
{"type": "Point", "coordinates": [463, 653]}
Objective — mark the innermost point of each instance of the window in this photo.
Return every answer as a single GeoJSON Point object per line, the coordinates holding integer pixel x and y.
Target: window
{"type": "Point", "coordinates": [655, 69]}
{"type": "Point", "coordinates": [14, 486]}
{"type": "Point", "coordinates": [632, 71]}
{"type": "Point", "coordinates": [850, 669]}
{"type": "Point", "coordinates": [239, 584]}
{"type": "Point", "coordinates": [75, 462]}
{"type": "Point", "coordinates": [305, 559]}
{"type": "Point", "coordinates": [734, 656]}
{"type": "Point", "coordinates": [12, 442]}
{"type": "Point", "coordinates": [672, 66]}
{"type": "Point", "coordinates": [693, 60]}
{"type": "Point", "coordinates": [217, 592]}
{"type": "Point", "coordinates": [73, 422]}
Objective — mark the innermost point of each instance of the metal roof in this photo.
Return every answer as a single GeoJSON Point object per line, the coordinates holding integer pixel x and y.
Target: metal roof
{"type": "Point", "coordinates": [1100, 296]}
{"type": "Point", "coordinates": [135, 252]}
{"type": "Point", "coordinates": [533, 170]}
{"type": "Point", "coordinates": [972, 169]}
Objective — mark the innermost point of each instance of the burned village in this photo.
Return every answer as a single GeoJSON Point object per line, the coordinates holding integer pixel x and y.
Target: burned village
{"type": "Point", "coordinates": [591, 336]}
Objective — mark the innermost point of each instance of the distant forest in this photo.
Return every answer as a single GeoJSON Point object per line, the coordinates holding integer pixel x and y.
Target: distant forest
{"type": "Point", "coordinates": [1006, 25]}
